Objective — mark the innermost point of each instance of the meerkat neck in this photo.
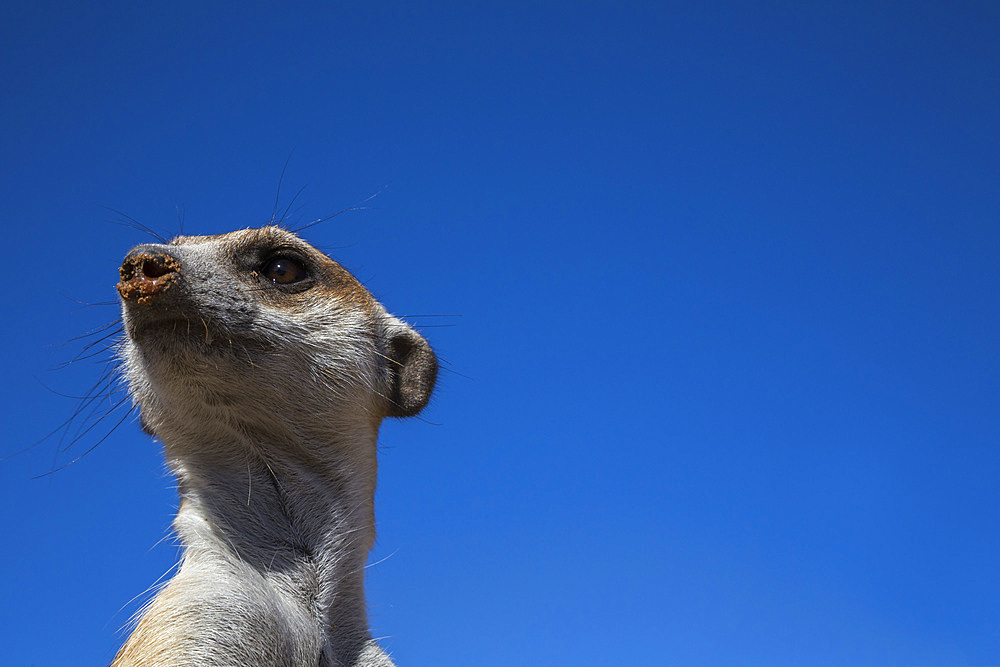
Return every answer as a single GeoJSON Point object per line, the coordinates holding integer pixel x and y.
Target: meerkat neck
{"type": "Point", "coordinates": [274, 551]}
{"type": "Point", "coordinates": [299, 525]}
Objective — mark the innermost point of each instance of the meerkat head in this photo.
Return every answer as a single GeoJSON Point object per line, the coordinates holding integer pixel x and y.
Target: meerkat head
{"type": "Point", "coordinates": [258, 328]}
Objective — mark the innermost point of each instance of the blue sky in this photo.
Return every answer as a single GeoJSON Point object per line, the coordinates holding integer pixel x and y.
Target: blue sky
{"type": "Point", "coordinates": [718, 282]}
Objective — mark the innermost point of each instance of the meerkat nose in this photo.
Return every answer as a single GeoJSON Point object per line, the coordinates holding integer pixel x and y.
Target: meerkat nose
{"type": "Point", "coordinates": [155, 267]}
{"type": "Point", "coordinates": [145, 273]}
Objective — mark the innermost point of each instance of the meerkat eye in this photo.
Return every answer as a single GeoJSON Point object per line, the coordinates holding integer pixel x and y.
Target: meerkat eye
{"type": "Point", "coordinates": [283, 271]}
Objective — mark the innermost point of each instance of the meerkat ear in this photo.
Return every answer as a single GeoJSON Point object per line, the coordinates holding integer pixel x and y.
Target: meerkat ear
{"type": "Point", "coordinates": [413, 370]}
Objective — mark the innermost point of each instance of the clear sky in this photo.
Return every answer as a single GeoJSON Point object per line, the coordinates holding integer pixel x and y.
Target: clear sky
{"type": "Point", "coordinates": [718, 283]}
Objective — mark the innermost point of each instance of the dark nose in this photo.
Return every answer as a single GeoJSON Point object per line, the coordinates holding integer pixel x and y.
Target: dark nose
{"type": "Point", "coordinates": [147, 272]}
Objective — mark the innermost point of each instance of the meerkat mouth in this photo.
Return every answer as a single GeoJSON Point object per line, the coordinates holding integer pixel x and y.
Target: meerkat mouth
{"type": "Point", "coordinates": [172, 328]}
{"type": "Point", "coordinates": [175, 333]}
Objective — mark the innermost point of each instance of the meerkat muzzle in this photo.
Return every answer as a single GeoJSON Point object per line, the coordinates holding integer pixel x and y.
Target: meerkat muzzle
{"type": "Point", "coordinates": [145, 274]}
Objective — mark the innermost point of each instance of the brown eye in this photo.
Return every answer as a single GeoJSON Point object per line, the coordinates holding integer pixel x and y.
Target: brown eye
{"type": "Point", "coordinates": [283, 271]}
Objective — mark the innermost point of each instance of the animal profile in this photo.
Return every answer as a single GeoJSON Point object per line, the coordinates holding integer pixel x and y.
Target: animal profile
{"type": "Point", "coordinates": [265, 369]}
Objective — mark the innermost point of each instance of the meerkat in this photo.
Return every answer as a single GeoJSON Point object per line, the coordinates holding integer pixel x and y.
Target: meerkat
{"type": "Point", "coordinates": [264, 368]}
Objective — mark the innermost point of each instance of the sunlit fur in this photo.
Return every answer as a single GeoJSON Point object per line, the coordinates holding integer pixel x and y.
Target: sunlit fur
{"type": "Point", "coordinates": [268, 405]}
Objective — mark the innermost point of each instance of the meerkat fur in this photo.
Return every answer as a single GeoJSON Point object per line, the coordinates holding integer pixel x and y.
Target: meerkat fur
{"type": "Point", "coordinates": [264, 368]}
